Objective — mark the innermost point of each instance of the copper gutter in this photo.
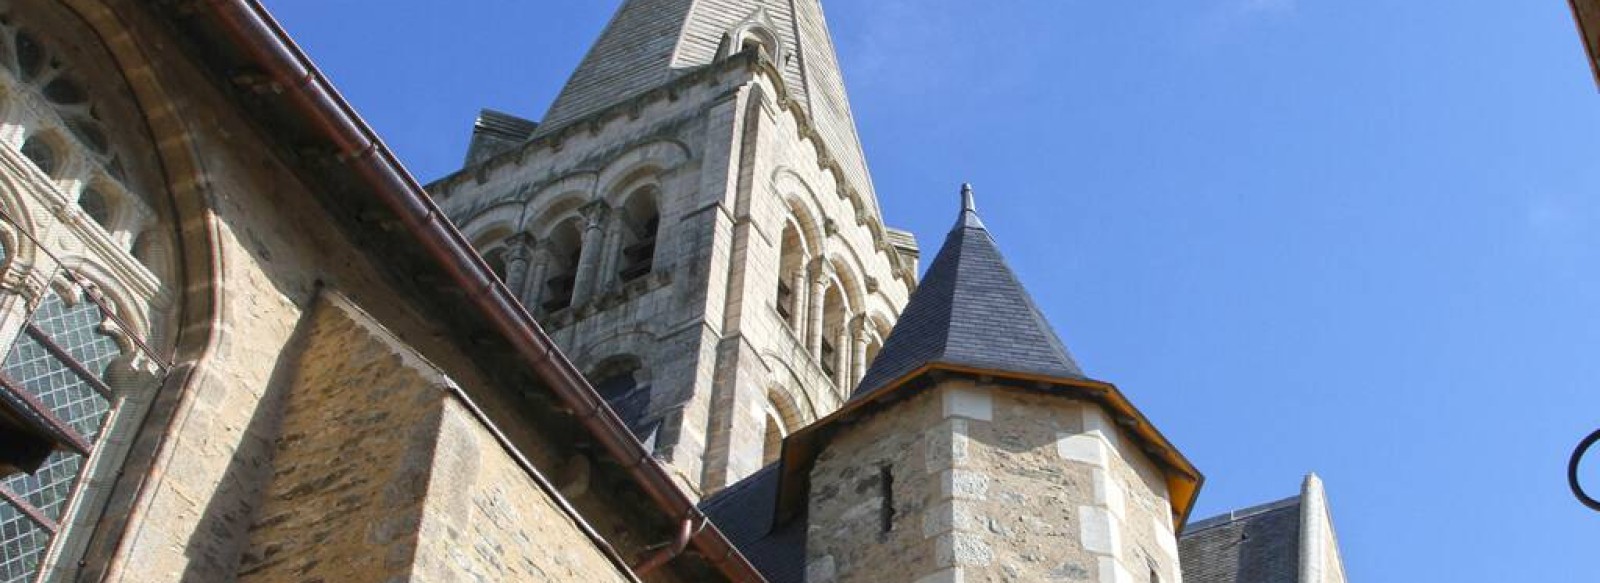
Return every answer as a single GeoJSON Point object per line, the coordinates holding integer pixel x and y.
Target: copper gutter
{"type": "Point", "coordinates": [686, 531]}
{"type": "Point", "coordinates": [297, 80]}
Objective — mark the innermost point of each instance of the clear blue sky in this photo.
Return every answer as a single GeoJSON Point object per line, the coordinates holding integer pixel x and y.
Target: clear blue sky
{"type": "Point", "coordinates": [1360, 237]}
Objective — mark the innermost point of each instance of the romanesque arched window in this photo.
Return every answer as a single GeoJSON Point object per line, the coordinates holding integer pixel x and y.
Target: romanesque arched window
{"type": "Point", "coordinates": [496, 258]}
{"type": "Point", "coordinates": [640, 220]}
{"type": "Point", "coordinates": [624, 382]}
{"type": "Point", "coordinates": [772, 441]}
{"type": "Point", "coordinates": [565, 248]}
{"type": "Point", "coordinates": [834, 320]}
{"type": "Point", "coordinates": [791, 277]}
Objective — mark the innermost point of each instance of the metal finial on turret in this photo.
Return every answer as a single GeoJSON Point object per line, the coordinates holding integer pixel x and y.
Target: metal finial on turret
{"type": "Point", "coordinates": [969, 209]}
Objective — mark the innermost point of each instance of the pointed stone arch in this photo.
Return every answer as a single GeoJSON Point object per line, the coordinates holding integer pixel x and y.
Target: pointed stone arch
{"type": "Point", "coordinates": [175, 182]}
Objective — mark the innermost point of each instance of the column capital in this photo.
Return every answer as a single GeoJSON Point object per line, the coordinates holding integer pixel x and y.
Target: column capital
{"type": "Point", "coordinates": [596, 212]}
{"type": "Point", "coordinates": [523, 239]}
{"type": "Point", "coordinates": [521, 247]}
{"type": "Point", "coordinates": [820, 270]}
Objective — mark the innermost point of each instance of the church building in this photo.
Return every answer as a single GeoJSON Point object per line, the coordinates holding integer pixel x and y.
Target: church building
{"type": "Point", "coordinates": [664, 333]}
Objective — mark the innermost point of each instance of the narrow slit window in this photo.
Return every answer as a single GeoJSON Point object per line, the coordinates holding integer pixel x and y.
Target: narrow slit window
{"type": "Point", "coordinates": [886, 486]}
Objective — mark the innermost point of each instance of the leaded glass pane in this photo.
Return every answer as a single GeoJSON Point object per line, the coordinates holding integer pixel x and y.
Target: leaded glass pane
{"type": "Point", "coordinates": [49, 488]}
{"type": "Point", "coordinates": [22, 543]}
{"type": "Point", "coordinates": [77, 329]}
{"type": "Point", "coordinates": [61, 390]}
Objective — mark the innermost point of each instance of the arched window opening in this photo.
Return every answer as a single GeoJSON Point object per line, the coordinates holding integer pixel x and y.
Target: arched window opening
{"type": "Point", "coordinates": [772, 444]}
{"type": "Point", "coordinates": [757, 38]}
{"type": "Point", "coordinates": [96, 206]}
{"type": "Point", "coordinates": [791, 275]}
{"type": "Point", "coordinates": [833, 327]}
{"type": "Point", "coordinates": [491, 246]}
{"type": "Point", "coordinates": [624, 383]}
{"type": "Point", "coordinates": [641, 222]}
{"type": "Point", "coordinates": [566, 247]}
{"type": "Point", "coordinates": [752, 43]}
{"type": "Point", "coordinates": [43, 156]}
{"type": "Point", "coordinates": [496, 258]}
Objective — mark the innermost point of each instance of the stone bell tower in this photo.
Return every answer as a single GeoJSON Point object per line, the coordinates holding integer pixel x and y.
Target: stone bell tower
{"type": "Point", "coordinates": [694, 224]}
{"type": "Point", "coordinates": [975, 449]}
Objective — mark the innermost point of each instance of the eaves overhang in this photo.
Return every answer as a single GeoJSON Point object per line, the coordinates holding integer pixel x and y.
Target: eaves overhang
{"type": "Point", "coordinates": [801, 448]}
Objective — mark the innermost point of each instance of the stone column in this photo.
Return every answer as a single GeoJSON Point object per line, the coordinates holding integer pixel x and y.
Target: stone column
{"type": "Point", "coordinates": [533, 294]}
{"type": "Point", "coordinates": [841, 355]}
{"type": "Point", "coordinates": [595, 214]}
{"type": "Point", "coordinates": [819, 289]}
{"type": "Point", "coordinates": [610, 261]}
{"type": "Point", "coordinates": [797, 301]}
{"type": "Point", "coordinates": [858, 361]}
{"type": "Point", "coordinates": [519, 254]}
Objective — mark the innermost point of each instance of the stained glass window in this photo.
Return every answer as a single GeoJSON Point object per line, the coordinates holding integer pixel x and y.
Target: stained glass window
{"type": "Point", "coordinates": [60, 359]}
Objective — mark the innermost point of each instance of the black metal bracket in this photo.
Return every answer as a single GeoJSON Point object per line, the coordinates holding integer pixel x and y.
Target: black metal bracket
{"type": "Point", "coordinates": [1572, 471]}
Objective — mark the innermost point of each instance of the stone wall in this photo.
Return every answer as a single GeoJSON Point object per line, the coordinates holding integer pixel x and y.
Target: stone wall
{"type": "Point", "coordinates": [381, 474]}
{"type": "Point", "coordinates": [989, 484]}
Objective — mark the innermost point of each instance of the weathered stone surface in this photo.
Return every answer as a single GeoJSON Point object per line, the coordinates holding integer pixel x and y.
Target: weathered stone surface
{"type": "Point", "coordinates": [986, 500]}
{"type": "Point", "coordinates": [381, 474]}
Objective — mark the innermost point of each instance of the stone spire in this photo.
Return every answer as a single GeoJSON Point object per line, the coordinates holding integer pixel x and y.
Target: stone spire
{"type": "Point", "coordinates": [651, 42]}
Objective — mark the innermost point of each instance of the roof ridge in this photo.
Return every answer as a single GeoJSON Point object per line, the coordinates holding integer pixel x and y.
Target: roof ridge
{"type": "Point", "coordinates": [1233, 516]}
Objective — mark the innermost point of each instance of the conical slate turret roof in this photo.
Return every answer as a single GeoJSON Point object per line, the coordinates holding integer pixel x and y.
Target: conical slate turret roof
{"type": "Point", "coordinates": [970, 311]}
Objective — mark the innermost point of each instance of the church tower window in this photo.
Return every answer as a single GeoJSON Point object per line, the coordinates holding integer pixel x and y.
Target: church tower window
{"type": "Point", "coordinates": [772, 444]}
{"type": "Point", "coordinates": [641, 222]}
{"type": "Point", "coordinates": [566, 249]}
{"type": "Point", "coordinates": [791, 275]}
{"type": "Point", "coordinates": [496, 258]}
{"type": "Point", "coordinates": [624, 382]}
{"type": "Point", "coordinates": [833, 326]}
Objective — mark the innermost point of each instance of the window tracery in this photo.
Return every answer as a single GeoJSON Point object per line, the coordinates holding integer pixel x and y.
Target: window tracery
{"type": "Point", "coordinates": [76, 349]}
{"type": "Point", "coordinates": [71, 127]}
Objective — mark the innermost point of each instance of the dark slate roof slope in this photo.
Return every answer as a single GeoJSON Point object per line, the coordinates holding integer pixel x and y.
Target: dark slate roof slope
{"type": "Point", "coordinates": [744, 513]}
{"type": "Point", "coordinates": [970, 310]}
{"type": "Point", "coordinates": [1255, 545]}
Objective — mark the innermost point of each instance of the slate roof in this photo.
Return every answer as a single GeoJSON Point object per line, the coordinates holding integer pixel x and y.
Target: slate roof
{"type": "Point", "coordinates": [970, 310]}
{"type": "Point", "coordinates": [1255, 545]}
{"type": "Point", "coordinates": [744, 513]}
